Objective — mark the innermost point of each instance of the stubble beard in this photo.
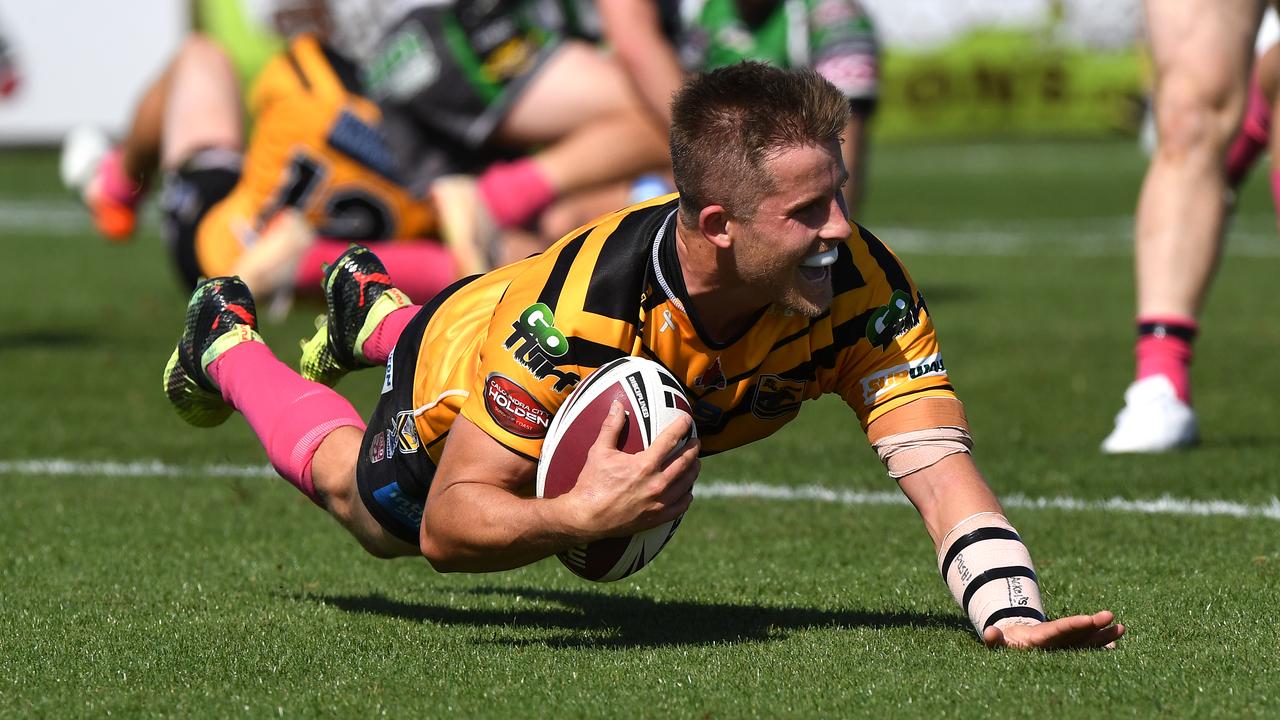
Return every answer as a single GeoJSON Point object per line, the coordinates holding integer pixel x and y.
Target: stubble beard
{"type": "Point", "coordinates": [784, 286]}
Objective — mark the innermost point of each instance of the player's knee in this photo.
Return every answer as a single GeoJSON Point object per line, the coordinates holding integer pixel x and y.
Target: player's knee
{"type": "Point", "coordinates": [338, 494]}
{"type": "Point", "coordinates": [201, 50]}
{"type": "Point", "coordinates": [1193, 121]}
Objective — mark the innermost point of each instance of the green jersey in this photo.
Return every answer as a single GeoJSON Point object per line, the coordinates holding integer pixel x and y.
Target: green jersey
{"type": "Point", "coordinates": [834, 37]}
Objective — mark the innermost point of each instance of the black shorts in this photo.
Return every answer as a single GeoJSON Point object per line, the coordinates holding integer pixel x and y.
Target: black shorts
{"type": "Point", "coordinates": [457, 69]}
{"type": "Point", "coordinates": [189, 193]}
{"type": "Point", "coordinates": [394, 470]}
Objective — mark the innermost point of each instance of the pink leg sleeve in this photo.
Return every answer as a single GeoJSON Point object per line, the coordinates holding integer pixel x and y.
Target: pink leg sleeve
{"type": "Point", "coordinates": [290, 416]}
{"type": "Point", "coordinates": [420, 268]}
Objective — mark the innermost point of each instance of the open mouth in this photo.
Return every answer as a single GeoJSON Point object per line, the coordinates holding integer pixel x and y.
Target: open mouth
{"type": "Point", "coordinates": [815, 268]}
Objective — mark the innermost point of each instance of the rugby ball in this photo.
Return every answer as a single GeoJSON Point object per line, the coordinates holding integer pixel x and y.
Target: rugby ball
{"type": "Point", "coordinates": [653, 399]}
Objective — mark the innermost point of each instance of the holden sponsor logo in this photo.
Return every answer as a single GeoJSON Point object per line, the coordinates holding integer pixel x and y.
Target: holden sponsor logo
{"type": "Point", "coordinates": [877, 385]}
{"type": "Point", "coordinates": [514, 409]}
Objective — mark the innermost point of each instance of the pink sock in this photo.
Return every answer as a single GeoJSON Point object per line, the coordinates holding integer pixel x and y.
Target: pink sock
{"type": "Point", "coordinates": [383, 340]}
{"type": "Point", "coordinates": [515, 192]}
{"type": "Point", "coordinates": [115, 184]}
{"type": "Point", "coordinates": [420, 269]}
{"type": "Point", "coordinates": [290, 416]}
{"type": "Point", "coordinates": [1252, 138]}
{"type": "Point", "coordinates": [1164, 348]}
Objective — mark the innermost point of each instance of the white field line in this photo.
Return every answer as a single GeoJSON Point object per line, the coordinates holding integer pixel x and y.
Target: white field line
{"type": "Point", "coordinates": [708, 488]}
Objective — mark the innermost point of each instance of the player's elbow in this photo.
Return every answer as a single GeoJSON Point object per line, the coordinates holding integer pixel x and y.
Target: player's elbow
{"type": "Point", "coordinates": [440, 554]}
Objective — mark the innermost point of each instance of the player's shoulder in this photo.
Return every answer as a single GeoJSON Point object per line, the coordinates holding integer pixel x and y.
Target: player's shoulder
{"type": "Point", "coordinates": [599, 270]}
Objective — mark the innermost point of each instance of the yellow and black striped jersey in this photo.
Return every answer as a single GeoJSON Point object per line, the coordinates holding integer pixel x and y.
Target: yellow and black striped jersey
{"type": "Point", "coordinates": [505, 349]}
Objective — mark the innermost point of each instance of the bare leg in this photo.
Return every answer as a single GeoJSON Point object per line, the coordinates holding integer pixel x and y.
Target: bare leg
{"type": "Point", "coordinates": [1202, 52]}
{"type": "Point", "coordinates": [203, 108]}
{"type": "Point", "coordinates": [140, 151]}
{"type": "Point", "coordinates": [333, 469]}
{"type": "Point", "coordinates": [582, 104]}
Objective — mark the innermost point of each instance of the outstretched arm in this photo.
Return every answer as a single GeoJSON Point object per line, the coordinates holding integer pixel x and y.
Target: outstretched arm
{"type": "Point", "coordinates": [952, 495]}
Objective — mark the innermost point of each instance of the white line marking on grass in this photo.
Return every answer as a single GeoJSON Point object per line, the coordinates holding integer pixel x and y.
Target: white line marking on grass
{"type": "Point", "coordinates": [1163, 505]}
{"type": "Point", "coordinates": [58, 467]}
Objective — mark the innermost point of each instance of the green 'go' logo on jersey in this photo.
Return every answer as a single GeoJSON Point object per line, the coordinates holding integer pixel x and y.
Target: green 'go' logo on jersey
{"type": "Point", "coordinates": [892, 319]}
{"type": "Point", "coordinates": [540, 323]}
{"type": "Point", "coordinates": [535, 343]}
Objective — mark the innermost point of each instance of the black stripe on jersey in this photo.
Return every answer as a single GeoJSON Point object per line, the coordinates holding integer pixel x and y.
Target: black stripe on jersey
{"type": "Point", "coordinates": [944, 386]}
{"type": "Point", "coordinates": [588, 353]}
{"type": "Point", "coordinates": [550, 294]}
{"type": "Point", "coordinates": [620, 271]}
{"type": "Point", "coordinates": [844, 273]}
{"type": "Point", "coordinates": [889, 265]}
{"type": "Point", "coordinates": [844, 335]}
{"type": "Point", "coordinates": [296, 66]}
{"type": "Point", "coordinates": [795, 335]}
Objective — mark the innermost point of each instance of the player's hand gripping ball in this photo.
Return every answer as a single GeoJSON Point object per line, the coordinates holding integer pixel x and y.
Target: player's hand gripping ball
{"type": "Point", "coordinates": [652, 399]}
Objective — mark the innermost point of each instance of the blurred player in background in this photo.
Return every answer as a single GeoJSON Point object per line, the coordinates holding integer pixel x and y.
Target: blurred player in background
{"type": "Point", "coordinates": [492, 81]}
{"type": "Point", "coordinates": [315, 162]}
{"type": "Point", "coordinates": [1202, 51]}
{"type": "Point", "coordinates": [753, 287]}
{"type": "Point", "coordinates": [835, 37]}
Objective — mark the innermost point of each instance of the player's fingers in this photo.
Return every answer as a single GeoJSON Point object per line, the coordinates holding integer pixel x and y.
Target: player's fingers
{"type": "Point", "coordinates": [681, 483]}
{"type": "Point", "coordinates": [1107, 637]}
{"type": "Point", "coordinates": [670, 438]}
{"type": "Point", "coordinates": [676, 462]}
{"type": "Point", "coordinates": [677, 506]}
{"type": "Point", "coordinates": [611, 428]}
{"type": "Point", "coordinates": [1080, 631]}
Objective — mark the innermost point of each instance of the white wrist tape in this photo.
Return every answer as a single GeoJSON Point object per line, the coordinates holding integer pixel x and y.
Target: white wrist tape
{"type": "Point", "coordinates": [989, 572]}
{"type": "Point", "coordinates": [907, 452]}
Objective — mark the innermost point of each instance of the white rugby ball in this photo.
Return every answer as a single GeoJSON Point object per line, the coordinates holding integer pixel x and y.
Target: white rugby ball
{"type": "Point", "coordinates": [653, 399]}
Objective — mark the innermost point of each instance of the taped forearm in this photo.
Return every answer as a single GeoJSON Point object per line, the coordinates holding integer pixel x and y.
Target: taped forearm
{"type": "Point", "coordinates": [989, 572]}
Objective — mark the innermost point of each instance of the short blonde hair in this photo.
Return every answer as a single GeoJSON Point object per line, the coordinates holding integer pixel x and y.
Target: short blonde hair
{"type": "Point", "coordinates": [727, 123]}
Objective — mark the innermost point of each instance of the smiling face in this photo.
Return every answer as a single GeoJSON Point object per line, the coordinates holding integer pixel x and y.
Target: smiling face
{"type": "Point", "coordinates": [784, 251]}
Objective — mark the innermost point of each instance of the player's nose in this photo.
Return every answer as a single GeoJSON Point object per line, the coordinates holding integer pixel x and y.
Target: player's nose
{"type": "Point", "coordinates": [836, 227]}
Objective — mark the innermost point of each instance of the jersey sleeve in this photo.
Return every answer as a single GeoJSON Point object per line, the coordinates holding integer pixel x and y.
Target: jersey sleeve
{"type": "Point", "coordinates": [522, 377]}
{"type": "Point", "coordinates": [896, 358]}
{"type": "Point", "coordinates": [530, 362]}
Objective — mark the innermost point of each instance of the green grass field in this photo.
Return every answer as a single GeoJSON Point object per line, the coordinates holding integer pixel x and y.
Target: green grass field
{"type": "Point", "coordinates": [151, 569]}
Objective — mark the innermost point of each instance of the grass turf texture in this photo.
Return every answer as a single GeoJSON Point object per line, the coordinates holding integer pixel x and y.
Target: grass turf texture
{"type": "Point", "coordinates": [205, 596]}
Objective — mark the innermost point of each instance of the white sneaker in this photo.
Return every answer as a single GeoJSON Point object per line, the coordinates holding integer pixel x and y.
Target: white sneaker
{"type": "Point", "coordinates": [1153, 420]}
{"type": "Point", "coordinates": [82, 151]}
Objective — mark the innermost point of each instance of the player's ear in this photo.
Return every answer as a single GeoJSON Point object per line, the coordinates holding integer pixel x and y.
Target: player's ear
{"type": "Point", "coordinates": [713, 222]}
